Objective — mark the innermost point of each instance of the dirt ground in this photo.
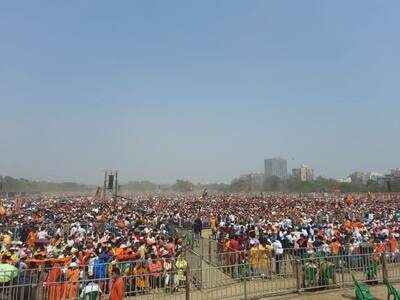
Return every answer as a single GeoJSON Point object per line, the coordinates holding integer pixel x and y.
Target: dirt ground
{"type": "Point", "coordinates": [379, 292]}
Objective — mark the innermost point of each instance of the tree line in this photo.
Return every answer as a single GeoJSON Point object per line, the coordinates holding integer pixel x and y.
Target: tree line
{"type": "Point", "coordinates": [243, 184]}
{"type": "Point", "coordinates": [10, 184]}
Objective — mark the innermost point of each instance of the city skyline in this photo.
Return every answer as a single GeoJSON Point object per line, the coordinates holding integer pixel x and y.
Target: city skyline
{"type": "Point", "coordinates": [201, 90]}
{"type": "Point", "coordinates": [291, 171]}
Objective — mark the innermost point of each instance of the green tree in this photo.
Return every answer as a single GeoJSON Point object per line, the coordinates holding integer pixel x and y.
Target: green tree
{"type": "Point", "coordinates": [182, 186]}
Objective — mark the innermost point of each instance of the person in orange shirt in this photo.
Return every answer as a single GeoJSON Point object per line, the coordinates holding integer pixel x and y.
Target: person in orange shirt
{"type": "Point", "coordinates": [394, 246]}
{"type": "Point", "coordinates": [349, 199]}
{"type": "Point", "coordinates": [335, 247]}
{"type": "Point", "coordinates": [71, 288]}
{"type": "Point", "coordinates": [213, 224]}
{"type": "Point", "coordinates": [31, 239]}
{"type": "Point", "coordinates": [348, 226]}
{"type": "Point", "coordinates": [380, 248]}
{"type": "Point", "coordinates": [53, 283]}
{"type": "Point", "coordinates": [119, 250]}
{"type": "Point", "coordinates": [118, 288]}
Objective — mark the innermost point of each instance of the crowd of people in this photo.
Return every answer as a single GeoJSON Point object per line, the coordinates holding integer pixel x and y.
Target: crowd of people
{"type": "Point", "coordinates": [78, 244]}
{"type": "Point", "coordinates": [354, 229]}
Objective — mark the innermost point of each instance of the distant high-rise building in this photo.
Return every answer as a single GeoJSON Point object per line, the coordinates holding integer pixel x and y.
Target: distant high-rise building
{"type": "Point", "coordinates": [357, 177]}
{"type": "Point", "coordinates": [374, 176]}
{"type": "Point", "coordinates": [395, 172]}
{"type": "Point", "coordinates": [275, 167]}
{"type": "Point", "coordinates": [304, 173]}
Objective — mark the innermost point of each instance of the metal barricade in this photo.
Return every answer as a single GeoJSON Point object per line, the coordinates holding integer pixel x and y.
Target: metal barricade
{"type": "Point", "coordinates": [240, 274]}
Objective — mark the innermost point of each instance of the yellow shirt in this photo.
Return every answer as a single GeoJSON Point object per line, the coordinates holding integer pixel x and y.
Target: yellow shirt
{"type": "Point", "coordinates": [15, 258]}
{"type": "Point", "coordinates": [213, 223]}
{"type": "Point", "coordinates": [6, 239]}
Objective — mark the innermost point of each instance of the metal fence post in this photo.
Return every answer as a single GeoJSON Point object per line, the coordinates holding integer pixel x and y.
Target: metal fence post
{"type": "Point", "coordinates": [209, 250]}
{"type": "Point", "coordinates": [187, 283]}
{"type": "Point", "coordinates": [298, 275]}
{"type": "Point", "coordinates": [342, 275]}
{"type": "Point", "coordinates": [384, 265]}
{"type": "Point", "coordinates": [200, 273]}
{"type": "Point", "coordinates": [201, 247]}
{"type": "Point", "coordinates": [245, 286]}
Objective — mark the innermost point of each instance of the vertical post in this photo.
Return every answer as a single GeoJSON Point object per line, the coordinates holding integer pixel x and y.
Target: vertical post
{"type": "Point", "coordinates": [342, 274]}
{"type": "Point", "coordinates": [116, 185]}
{"type": "Point", "coordinates": [187, 283]}
{"type": "Point", "coordinates": [201, 247]}
{"type": "Point", "coordinates": [384, 265]}
{"type": "Point", "coordinates": [245, 286]}
{"type": "Point", "coordinates": [105, 186]}
{"type": "Point", "coordinates": [348, 258]}
{"type": "Point", "coordinates": [200, 273]}
{"type": "Point", "coordinates": [209, 250]}
{"type": "Point", "coordinates": [298, 275]}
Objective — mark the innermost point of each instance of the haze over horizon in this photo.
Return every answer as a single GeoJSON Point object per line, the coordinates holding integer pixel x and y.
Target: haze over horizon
{"type": "Point", "coordinates": [199, 90]}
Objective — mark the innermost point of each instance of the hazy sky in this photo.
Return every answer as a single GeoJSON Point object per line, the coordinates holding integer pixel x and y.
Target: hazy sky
{"type": "Point", "coordinates": [201, 90]}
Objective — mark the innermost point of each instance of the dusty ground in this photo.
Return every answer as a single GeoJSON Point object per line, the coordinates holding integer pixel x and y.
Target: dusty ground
{"type": "Point", "coordinates": [379, 292]}
{"type": "Point", "coordinates": [234, 290]}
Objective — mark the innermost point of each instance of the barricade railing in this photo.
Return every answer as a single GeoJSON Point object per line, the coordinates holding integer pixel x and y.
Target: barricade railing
{"type": "Point", "coordinates": [44, 265]}
{"type": "Point", "coordinates": [392, 264]}
{"type": "Point", "coordinates": [265, 275]}
{"type": "Point", "coordinates": [138, 283]}
{"type": "Point", "coordinates": [215, 246]}
{"type": "Point", "coordinates": [140, 278]}
{"type": "Point", "coordinates": [337, 271]}
{"type": "Point", "coordinates": [258, 274]}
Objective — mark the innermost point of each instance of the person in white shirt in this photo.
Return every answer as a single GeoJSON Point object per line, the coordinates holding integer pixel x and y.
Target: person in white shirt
{"type": "Point", "coordinates": [91, 261]}
{"type": "Point", "coordinates": [278, 251]}
{"type": "Point", "coordinates": [42, 234]}
{"type": "Point", "coordinates": [89, 288]}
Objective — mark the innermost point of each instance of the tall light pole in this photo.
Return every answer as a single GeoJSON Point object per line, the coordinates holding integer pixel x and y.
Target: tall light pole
{"type": "Point", "coordinates": [105, 186]}
{"type": "Point", "coordinates": [110, 183]}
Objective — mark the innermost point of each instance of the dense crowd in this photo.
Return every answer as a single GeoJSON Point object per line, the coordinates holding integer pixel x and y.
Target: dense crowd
{"type": "Point", "coordinates": [71, 240]}
{"type": "Point", "coordinates": [79, 244]}
{"type": "Point", "coordinates": [350, 230]}
{"type": "Point", "coordinates": [324, 222]}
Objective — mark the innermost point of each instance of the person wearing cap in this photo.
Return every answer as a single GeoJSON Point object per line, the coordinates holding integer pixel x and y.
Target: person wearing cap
{"type": "Point", "coordinates": [72, 278]}
{"type": "Point", "coordinates": [118, 287]}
